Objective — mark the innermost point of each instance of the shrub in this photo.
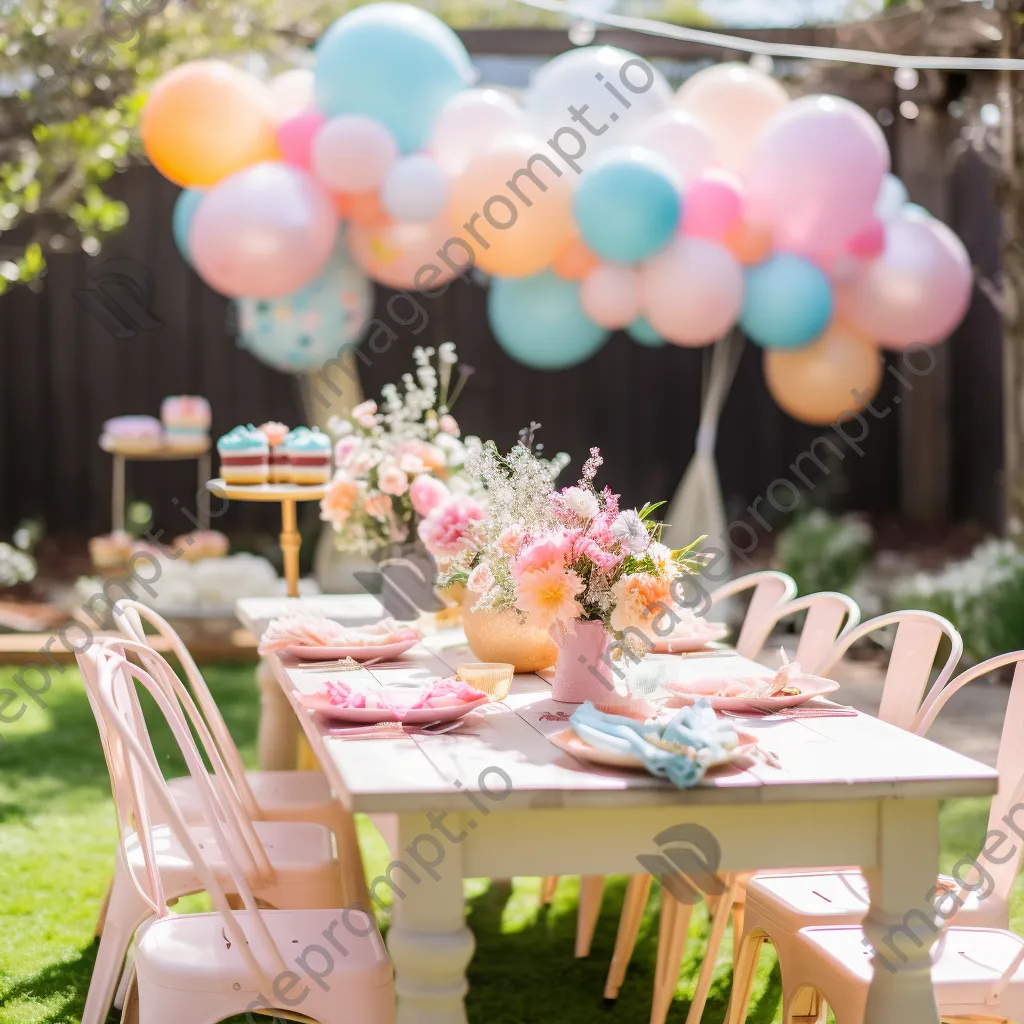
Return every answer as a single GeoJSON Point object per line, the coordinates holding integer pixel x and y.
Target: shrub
{"type": "Point", "coordinates": [822, 551]}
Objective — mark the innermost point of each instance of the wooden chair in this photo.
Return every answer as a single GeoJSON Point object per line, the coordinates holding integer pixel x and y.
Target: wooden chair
{"type": "Point", "coordinates": [202, 968]}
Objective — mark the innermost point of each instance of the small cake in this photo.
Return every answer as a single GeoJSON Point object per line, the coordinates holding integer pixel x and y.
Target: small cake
{"type": "Point", "coordinates": [310, 458]}
{"type": "Point", "coordinates": [110, 551]}
{"type": "Point", "coordinates": [132, 431]}
{"type": "Point", "coordinates": [186, 419]}
{"type": "Point", "coordinates": [244, 457]}
{"type": "Point", "coordinates": [280, 468]}
{"type": "Point", "coordinates": [200, 544]}
{"type": "Point", "coordinates": [286, 447]}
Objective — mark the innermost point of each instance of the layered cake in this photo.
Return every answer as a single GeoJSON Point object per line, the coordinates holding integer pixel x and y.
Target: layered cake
{"type": "Point", "coordinates": [133, 431]}
{"type": "Point", "coordinates": [276, 435]}
{"type": "Point", "coordinates": [244, 457]}
{"type": "Point", "coordinates": [200, 544]}
{"type": "Point", "coordinates": [186, 419]}
{"type": "Point", "coordinates": [310, 457]}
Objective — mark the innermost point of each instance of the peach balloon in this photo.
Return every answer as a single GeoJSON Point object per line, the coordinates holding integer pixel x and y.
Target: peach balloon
{"type": "Point", "coordinates": [512, 207]}
{"type": "Point", "coordinates": [692, 291]}
{"type": "Point", "coordinates": [829, 380]}
{"type": "Point", "coordinates": [574, 260]}
{"type": "Point", "coordinates": [610, 296]}
{"type": "Point", "coordinates": [365, 208]}
{"type": "Point", "coordinates": [748, 243]}
{"type": "Point", "coordinates": [734, 102]}
{"type": "Point", "coordinates": [402, 255]}
{"type": "Point", "coordinates": [205, 120]}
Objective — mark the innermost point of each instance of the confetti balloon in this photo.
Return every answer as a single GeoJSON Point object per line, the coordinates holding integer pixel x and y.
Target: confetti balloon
{"type": "Point", "coordinates": [403, 254]}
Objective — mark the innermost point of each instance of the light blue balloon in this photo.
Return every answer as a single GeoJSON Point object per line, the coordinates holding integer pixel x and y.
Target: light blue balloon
{"type": "Point", "coordinates": [539, 321]}
{"type": "Point", "coordinates": [304, 330]}
{"type": "Point", "coordinates": [394, 63]}
{"type": "Point", "coordinates": [185, 207]}
{"type": "Point", "coordinates": [641, 331]}
{"type": "Point", "coordinates": [627, 206]}
{"type": "Point", "coordinates": [787, 302]}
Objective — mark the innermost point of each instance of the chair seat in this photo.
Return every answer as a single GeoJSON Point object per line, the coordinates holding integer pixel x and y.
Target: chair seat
{"type": "Point", "coordinates": [800, 899]}
{"type": "Point", "coordinates": [193, 951]}
{"type": "Point", "coordinates": [287, 795]}
{"type": "Point", "coordinates": [967, 964]}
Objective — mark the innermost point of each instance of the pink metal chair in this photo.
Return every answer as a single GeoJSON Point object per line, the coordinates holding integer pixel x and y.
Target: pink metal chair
{"type": "Point", "coordinates": [202, 968]}
{"type": "Point", "coordinates": [977, 969]}
{"type": "Point", "coordinates": [266, 795]}
{"type": "Point", "coordinates": [287, 864]}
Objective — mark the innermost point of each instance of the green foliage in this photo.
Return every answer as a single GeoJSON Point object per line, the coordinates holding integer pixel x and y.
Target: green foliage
{"type": "Point", "coordinates": [822, 551]}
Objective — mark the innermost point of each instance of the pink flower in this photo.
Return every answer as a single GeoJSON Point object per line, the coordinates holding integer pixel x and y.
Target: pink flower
{"type": "Point", "coordinates": [548, 596]}
{"type": "Point", "coordinates": [509, 540]}
{"type": "Point", "coordinates": [551, 549]}
{"type": "Point", "coordinates": [365, 413]}
{"type": "Point", "coordinates": [411, 464]}
{"type": "Point", "coordinates": [391, 480]}
{"type": "Point", "coordinates": [339, 497]}
{"type": "Point", "coordinates": [377, 505]}
{"type": "Point", "coordinates": [448, 425]}
{"type": "Point", "coordinates": [345, 449]}
{"type": "Point", "coordinates": [446, 531]}
{"type": "Point", "coordinates": [587, 547]}
{"type": "Point", "coordinates": [480, 579]}
{"type": "Point", "coordinates": [426, 493]}
{"type": "Point", "coordinates": [429, 454]}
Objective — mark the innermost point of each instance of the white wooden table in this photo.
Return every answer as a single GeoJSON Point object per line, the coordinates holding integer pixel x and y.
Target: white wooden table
{"type": "Point", "coordinates": [496, 799]}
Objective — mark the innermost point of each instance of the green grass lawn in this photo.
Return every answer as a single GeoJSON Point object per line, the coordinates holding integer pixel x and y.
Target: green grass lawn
{"type": "Point", "coordinates": [57, 840]}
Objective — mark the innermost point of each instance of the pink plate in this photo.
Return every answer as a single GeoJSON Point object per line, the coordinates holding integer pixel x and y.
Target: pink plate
{"type": "Point", "coordinates": [684, 694]}
{"type": "Point", "coordinates": [370, 716]}
{"type": "Point", "coordinates": [362, 653]}
{"type": "Point", "coordinates": [690, 644]}
{"type": "Point", "coordinates": [568, 741]}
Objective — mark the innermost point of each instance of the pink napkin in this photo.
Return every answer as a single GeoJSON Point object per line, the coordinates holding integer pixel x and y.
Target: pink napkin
{"type": "Point", "coordinates": [442, 693]}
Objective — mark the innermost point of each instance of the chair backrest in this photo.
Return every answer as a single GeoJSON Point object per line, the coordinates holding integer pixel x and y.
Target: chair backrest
{"type": "Point", "coordinates": [829, 615]}
{"type": "Point", "coordinates": [113, 680]}
{"type": "Point", "coordinates": [771, 589]}
{"type": "Point", "coordinates": [129, 616]}
{"type": "Point", "coordinates": [911, 660]}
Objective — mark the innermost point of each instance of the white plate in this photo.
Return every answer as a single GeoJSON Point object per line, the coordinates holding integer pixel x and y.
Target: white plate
{"type": "Point", "coordinates": [421, 716]}
{"type": "Point", "coordinates": [359, 653]}
{"type": "Point", "coordinates": [684, 694]}
{"type": "Point", "coordinates": [568, 741]}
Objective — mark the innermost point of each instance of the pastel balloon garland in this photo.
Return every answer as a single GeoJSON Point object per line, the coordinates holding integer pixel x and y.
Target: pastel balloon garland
{"type": "Point", "coordinates": [604, 202]}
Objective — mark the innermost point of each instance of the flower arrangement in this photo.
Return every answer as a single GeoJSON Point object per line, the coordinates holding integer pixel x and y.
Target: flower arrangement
{"type": "Point", "coordinates": [563, 556]}
{"type": "Point", "coordinates": [397, 462]}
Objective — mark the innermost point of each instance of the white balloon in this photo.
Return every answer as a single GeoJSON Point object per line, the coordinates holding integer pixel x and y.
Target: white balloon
{"type": "Point", "coordinates": [291, 93]}
{"type": "Point", "coordinates": [613, 92]}
{"type": "Point", "coordinates": [892, 197]}
{"type": "Point", "coordinates": [682, 140]}
{"type": "Point", "coordinates": [610, 295]}
{"type": "Point", "coordinates": [471, 122]}
{"type": "Point", "coordinates": [415, 189]}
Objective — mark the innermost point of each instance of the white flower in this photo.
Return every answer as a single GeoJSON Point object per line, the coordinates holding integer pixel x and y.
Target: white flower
{"type": "Point", "coordinates": [581, 501]}
{"type": "Point", "coordinates": [629, 530]}
{"type": "Point", "coordinates": [480, 579]}
{"type": "Point", "coordinates": [365, 413]}
{"type": "Point", "coordinates": [665, 565]}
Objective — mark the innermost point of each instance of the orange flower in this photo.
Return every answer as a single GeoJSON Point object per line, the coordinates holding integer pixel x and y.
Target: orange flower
{"type": "Point", "coordinates": [636, 601]}
{"type": "Point", "coordinates": [339, 497]}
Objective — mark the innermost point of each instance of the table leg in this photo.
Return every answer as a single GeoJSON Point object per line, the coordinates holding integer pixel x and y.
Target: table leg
{"type": "Point", "coordinates": [429, 942]}
{"type": "Point", "coordinates": [205, 471]}
{"type": "Point", "coordinates": [901, 925]}
{"type": "Point", "coordinates": [290, 544]}
{"type": "Point", "coordinates": [278, 746]}
{"type": "Point", "coordinates": [117, 495]}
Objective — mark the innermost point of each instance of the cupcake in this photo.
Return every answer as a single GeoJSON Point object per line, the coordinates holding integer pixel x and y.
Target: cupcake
{"type": "Point", "coordinates": [276, 434]}
{"type": "Point", "coordinates": [200, 544]}
{"type": "Point", "coordinates": [286, 447]}
{"type": "Point", "coordinates": [110, 551]}
{"type": "Point", "coordinates": [310, 458]}
{"type": "Point", "coordinates": [137, 431]}
{"type": "Point", "coordinates": [244, 457]}
{"type": "Point", "coordinates": [186, 419]}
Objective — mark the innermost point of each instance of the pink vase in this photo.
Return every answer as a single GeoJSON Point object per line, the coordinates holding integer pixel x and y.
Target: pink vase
{"type": "Point", "coordinates": [583, 671]}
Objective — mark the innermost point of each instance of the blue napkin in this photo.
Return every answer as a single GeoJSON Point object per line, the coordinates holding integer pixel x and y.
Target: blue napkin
{"type": "Point", "coordinates": [708, 737]}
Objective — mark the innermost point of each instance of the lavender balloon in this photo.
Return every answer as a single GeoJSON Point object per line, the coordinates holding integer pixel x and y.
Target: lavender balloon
{"type": "Point", "coordinates": [266, 231]}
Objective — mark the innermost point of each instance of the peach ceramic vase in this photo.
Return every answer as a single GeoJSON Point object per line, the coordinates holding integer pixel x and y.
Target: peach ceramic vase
{"type": "Point", "coordinates": [583, 671]}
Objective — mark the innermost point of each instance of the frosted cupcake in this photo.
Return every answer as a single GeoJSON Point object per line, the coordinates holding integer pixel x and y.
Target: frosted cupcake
{"type": "Point", "coordinates": [200, 544]}
{"type": "Point", "coordinates": [280, 468]}
{"type": "Point", "coordinates": [186, 419]}
{"type": "Point", "coordinates": [310, 458]}
{"type": "Point", "coordinates": [136, 431]}
{"type": "Point", "coordinates": [110, 551]}
{"type": "Point", "coordinates": [244, 457]}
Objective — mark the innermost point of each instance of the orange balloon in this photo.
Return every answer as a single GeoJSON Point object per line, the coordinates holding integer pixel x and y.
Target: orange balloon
{"type": "Point", "coordinates": [830, 380]}
{"type": "Point", "coordinates": [342, 203]}
{"type": "Point", "coordinates": [512, 208]}
{"type": "Point", "coordinates": [574, 260]}
{"type": "Point", "coordinates": [365, 209]}
{"type": "Point", "coordinates": [205, 120]}
{"type": "Point", "coordinates": [749, 244]}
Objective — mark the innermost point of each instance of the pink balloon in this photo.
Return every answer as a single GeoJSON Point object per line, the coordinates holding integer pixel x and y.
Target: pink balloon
{"type": "Point", "coordinates": [404, 254]}
{"type": "Point", "coordinates": [265, 231]}
{"type": "Point", "coordinates": [815, 172]}
{"type": "Point", "coordinates": [713, 205]}
{"type": "Point", "coordinates": [610, 296]}
{"type": "Point", "coordinates": [918, 289]}
{"type": "Point", "coordinates": [692, 291]}
{"type": "Point", "coordinates": [353, 154]}
{"type": "Point", "coordinates": [869, 241]}
{"type": "Point", "coordinates": [295, 137]}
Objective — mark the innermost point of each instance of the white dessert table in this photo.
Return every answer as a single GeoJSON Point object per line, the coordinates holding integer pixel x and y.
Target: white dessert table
{"type": "Point", "coordinates": [496, 799]}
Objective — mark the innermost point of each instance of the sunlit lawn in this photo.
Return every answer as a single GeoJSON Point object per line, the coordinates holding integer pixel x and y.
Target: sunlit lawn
{"type": "Point", "coordinates": [56, 853]}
